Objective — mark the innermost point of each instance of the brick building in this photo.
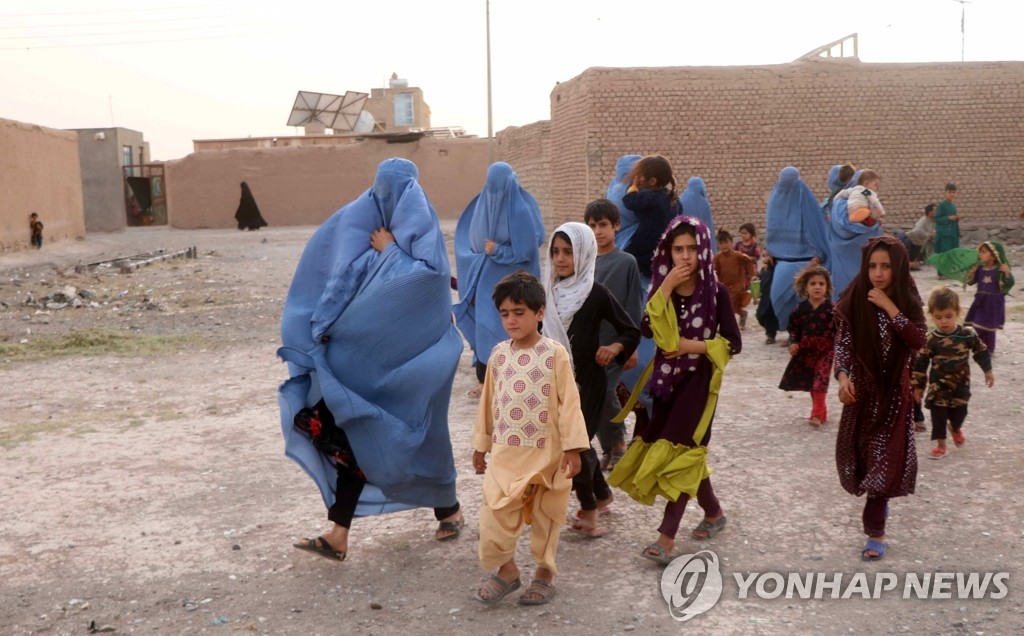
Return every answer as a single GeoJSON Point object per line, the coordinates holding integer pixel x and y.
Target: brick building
{"type": "Point", "coordinates": [919, 125]}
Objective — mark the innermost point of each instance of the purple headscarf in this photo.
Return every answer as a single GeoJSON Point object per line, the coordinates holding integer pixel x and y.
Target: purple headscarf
{"type": "Point", "coordinates": [699, 320]}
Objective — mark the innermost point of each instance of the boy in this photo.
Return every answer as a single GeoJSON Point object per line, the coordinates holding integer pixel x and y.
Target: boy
{"type": "Point", "coordinates": [37, 230]}
{"type": "Point", "coordinates": [947, 222]}
{"type": "Point", "coordinates": [734, 270]}
{"type": "Point", "coordinates": [949, 381]}
{"type": "Point", "coordinates": [617, 271]}
{"type": "Point", "coordinates": [530, 419]}
{"type": "Point", "coordinates": [922, 236]}
{"type": "Point", "coordinates": [863, 203]}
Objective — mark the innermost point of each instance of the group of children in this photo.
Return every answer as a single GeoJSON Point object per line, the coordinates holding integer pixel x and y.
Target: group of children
{"type": "Point", "coordinates": [549, 389]}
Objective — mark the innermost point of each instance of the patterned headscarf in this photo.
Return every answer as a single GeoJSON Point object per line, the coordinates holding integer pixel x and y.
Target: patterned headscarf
{"type": "Point", "coordinates": [699, 321]}
{"type": "Point", "coordinates": [566, 295]}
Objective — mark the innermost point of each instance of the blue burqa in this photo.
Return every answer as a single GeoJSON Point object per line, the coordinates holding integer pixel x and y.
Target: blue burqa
{"type": "Point", "coordinates": [616, 190]}
{"type": "Point", "coordinates": [795, 234]}
{"type": "Point", "coordinates": [508, 215]}
{"type": "Point", "coordinates": [695, 203]}
{"type": "Point", "coordinates": [372, 333]}
{"type": "Point", "coordinates": [845, 242]}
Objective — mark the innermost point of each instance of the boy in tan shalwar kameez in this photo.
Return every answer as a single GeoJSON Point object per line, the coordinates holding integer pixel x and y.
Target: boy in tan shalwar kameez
{"type": "Point", "coordinates": [529, 418]}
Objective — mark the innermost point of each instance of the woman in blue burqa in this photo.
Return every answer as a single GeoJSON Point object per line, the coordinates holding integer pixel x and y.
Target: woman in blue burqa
{"type": "Point", "coordinates": [795, 235]}
{"type": "Point", "coordinates": [695, 203]}
{"type": "Point", "coordinates": [845, 240]}
{"type": "Point", "coordinates": [616, 190]}
{"type": "Point", "coordinates": [371, 349]}
{"type": "Point", "coordinates": [499, 233]}
{"type": "Point", "coordinates": [628, 224]}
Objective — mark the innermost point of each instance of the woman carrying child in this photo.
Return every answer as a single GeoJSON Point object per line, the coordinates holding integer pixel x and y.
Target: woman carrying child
{"type": "Point", "coordinates": [811, 340]}
{"type": "Point", "coordinates": [690, 317]}
{"type": "Point", "coordinates": [879, 330]}
{"type": "Point", "coordinates": [576, 307]}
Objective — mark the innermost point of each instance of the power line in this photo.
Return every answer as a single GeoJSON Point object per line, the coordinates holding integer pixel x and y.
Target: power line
{"type": "Point", "coordinates": [137, 42]}
{"type": "Point", "coordinates": [83, 35]}
{"type": "Point", "coordinates": [82, 24]}
{"type": "Point", "coordinates": [35, 15]}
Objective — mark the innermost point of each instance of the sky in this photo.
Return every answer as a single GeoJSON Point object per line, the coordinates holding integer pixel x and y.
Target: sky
{"type": "Point", "coordinates": [179, 70]}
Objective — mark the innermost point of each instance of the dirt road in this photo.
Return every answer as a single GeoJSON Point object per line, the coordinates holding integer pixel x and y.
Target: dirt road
{"type": "Point", "coordinates": [144, 486]}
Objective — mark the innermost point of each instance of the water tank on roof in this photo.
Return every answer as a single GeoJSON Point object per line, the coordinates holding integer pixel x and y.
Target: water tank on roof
{"type": "Point", "coordinates": [398, 82]}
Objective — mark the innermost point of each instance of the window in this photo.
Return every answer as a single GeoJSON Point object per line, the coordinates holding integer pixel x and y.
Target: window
{"type": "Point", "coordinates": [404, 115]}
{"type": "Point", "coordinates": [127, 160]}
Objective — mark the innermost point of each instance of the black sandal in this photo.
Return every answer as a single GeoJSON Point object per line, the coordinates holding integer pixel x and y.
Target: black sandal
{"type": "Point", "coordinates": [454, 527]}
{"type": "Point", "coordinates": [321, 547]}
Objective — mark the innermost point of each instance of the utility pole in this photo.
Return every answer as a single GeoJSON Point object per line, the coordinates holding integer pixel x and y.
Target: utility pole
{"type": "Point", "coordinates": [963, 15]}
{"type": "Point", "coordinates": [490, 118]}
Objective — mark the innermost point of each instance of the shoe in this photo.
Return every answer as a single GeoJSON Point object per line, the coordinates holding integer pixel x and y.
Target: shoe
{"type": "Point", "coordinates": [769, 340]}
{"type": "Point", "coordinates": [873, 546]}
{"type": "Point", "coordinates": [543, 590]}
{"type": "Point", "coordinates": [958, 438]}
{"type": "Point", "coordinates": [320, 547]}
{"type": "Point", "coordinates": [497, 588]}
{"type": "Point", "coordinates": [919, 426]}
{"type": "Point", "coordinates": [453, 527]}
{"type": "Point", "coordinates": [708, 529]}
{"type": "Point", "coordinates": [656, 553]}
{"type": "Point", "coordinates": [815, 421]}
{"type": "Point", "coordinates": [938, 453]}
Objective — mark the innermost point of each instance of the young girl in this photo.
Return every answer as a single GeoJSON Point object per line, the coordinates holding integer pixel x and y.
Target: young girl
{"type": "Point", "coordinates": [576, 307]}
{"type": "Point", "coordinates": [690, 317]}
{"type": "Point", "coordinates": [949, 383]}
{"type": "Point", "coordinates": [879, 330]}
{"type": "Point", "coordinates": [748, 242]}
{"type": "Point", "coordinates": [811, 339]}
{"type": "Point", "coordinates": [994, 280]}
{"type": "Point", "coordinates": [652, 198]}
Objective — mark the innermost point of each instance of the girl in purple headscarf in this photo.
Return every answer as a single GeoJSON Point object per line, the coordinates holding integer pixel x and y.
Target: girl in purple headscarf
{"type": "Point", "coordinates": [690, 317]}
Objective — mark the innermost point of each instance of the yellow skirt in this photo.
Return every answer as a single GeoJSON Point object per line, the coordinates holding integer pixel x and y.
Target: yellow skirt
{"type": "Point", "coordinates": [662, 468]}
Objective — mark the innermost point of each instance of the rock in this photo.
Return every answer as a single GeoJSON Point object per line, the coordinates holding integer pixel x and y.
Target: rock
{"type": "Point", "coordinates": [376, 606]}
{"type": "Point", "coordinates": [87, 294]}
{"type": "Point", "coordinates": [236, 547]}
{"type": "Point", "coordinates": [55, 305]}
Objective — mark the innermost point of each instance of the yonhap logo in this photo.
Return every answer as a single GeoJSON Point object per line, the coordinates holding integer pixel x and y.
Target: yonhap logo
{"type": "Point", "coordinates": [691, 584]}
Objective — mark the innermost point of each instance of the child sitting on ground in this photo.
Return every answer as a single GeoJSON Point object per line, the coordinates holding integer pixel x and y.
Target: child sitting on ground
{"type": "Point", "coordinates": [949, 381]}
{"type": "Point", "coordinates": [529, 417]}
{"type": "Point", "coordinates": [862, 199]}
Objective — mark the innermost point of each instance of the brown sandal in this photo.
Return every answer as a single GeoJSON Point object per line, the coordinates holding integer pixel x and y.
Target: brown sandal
{"type": "Point", "coordinates": [497, 588]}
{"type": "Point", "coordinates": [544, 590]}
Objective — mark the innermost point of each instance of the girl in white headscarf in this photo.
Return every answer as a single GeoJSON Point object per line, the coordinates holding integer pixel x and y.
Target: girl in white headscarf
{"type": "Point", "coordinates": [576, 306]}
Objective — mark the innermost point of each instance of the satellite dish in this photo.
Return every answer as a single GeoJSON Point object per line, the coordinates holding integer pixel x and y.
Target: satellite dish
{"type": "Point", "coordinates": [338, 112]}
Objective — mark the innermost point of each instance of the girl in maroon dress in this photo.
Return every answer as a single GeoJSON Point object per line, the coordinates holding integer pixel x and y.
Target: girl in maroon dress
{"type": "Point", "coordinates": [879, 330]}
{"type": "Point", "coordinates": [811, 340]}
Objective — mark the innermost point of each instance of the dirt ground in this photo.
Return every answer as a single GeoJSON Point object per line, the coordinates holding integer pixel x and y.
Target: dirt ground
{"type": "Point", "coordinates": [144, 485]}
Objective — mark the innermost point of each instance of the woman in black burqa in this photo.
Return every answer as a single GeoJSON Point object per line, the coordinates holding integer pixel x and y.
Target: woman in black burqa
{"type": "Point", "coordinates": [248, 214]}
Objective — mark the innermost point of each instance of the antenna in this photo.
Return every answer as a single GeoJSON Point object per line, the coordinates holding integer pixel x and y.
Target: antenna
{"type": "Point", "coordinates": [323, 110]}
{"type": "Point", "coordinates": [963, 15]}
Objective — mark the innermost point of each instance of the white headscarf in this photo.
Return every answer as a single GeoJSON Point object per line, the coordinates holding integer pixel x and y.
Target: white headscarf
{"type": "Point", "coordinates": [566, 295]}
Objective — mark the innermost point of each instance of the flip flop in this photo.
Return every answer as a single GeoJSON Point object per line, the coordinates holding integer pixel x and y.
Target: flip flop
{"type": "Point", "coordinates": [661, 557]}
{"type": "Point", "coordinates": [710, 527]}
{"type": "Point", "coordinates": [876, 546]}
{"type": "Point", "coordinates": [320, 547]}
{"type": "Point", "coordinates": [499, 587]}
{"type": "Point", "coordinates": [544, 589]}
{"type": "Point", "coordinates": [587, 530]}
{"type": "Point", "coordinates": [455, 527]}
{"type": "Point", "coordinates": [601, 511]}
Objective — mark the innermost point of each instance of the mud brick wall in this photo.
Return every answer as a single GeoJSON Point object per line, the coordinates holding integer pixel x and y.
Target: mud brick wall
{"type": "Point", "coordinates": [919, 125]}
{"type": "Point", "coordinates": [528, 150]}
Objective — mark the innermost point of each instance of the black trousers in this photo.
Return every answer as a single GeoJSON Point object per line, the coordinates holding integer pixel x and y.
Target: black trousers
{"type": "Point", "coordinates": [955, 415]}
